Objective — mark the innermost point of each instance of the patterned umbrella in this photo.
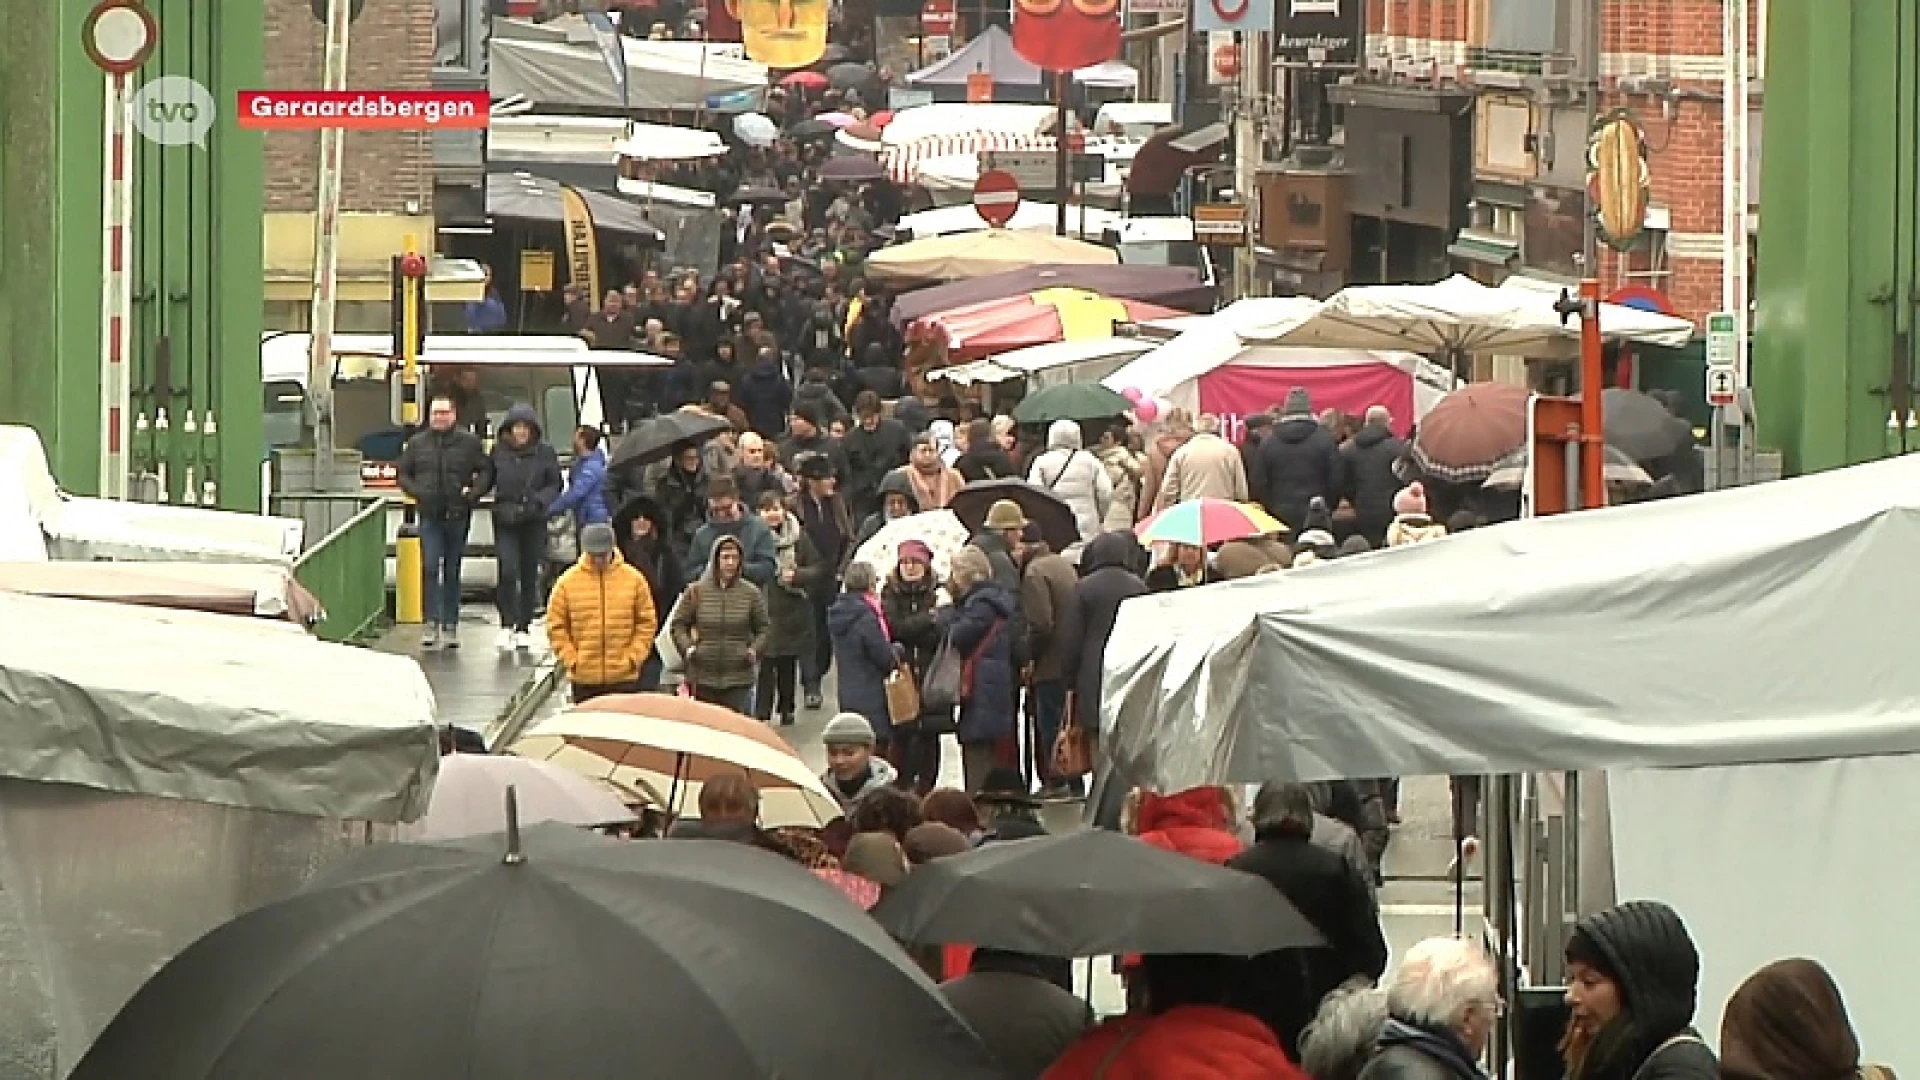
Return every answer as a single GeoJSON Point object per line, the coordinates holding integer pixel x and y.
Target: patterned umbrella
{"type": "Point", "coordinates": [1206, 522]}
{"type": "Point", "coordinates": [858, 889]}
{"type": "Point", "coordinates": [1463, 438]}
{"type": "Point", "coordinates": [938, 529]}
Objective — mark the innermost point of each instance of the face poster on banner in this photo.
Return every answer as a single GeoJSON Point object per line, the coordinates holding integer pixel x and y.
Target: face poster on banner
{"type": "Point", "coordinates": [1248, 15]}
{"type": "Point", "coordinates": [1067, 35]}
{"type": "Point", "coordinates": [782, 34]}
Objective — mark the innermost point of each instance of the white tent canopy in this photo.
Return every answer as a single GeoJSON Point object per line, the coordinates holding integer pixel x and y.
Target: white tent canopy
{"type": "Point", "coordinates": [660, 74]}
{"type": "Point", "coordinates": [1746, 625]}
{"type": "Point", "coordinates": [949, 118]}
{"type": "Point", "coordinates": [668, 142]}
{"type": "Point", "coordinates": [1460, 314]}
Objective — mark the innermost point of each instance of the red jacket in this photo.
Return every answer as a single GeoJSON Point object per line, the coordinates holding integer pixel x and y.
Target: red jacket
{"type": "Point", "coordinates": [1193, 1042]}
{"type": "Point", "coordinates": [1192, 822]}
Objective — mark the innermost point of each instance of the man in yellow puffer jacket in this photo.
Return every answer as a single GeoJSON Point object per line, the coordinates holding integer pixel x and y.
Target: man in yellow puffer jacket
{"type": "Point", "coordinates": [600, 618]}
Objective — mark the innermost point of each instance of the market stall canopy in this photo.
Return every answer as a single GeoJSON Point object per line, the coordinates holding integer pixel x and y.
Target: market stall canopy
{"type": "Point", "coordinates": [253, 589]}
{"type": "Point", "coordinates": [1037, 359]}
{"type": "Point", "coordinates": [1667, 634]}
{"type": "Point", "coordinates": [1170, 286]}
{"type": "Point", "coordinates": [948, 118]}
{"type": "Point", "coordinates": [212, 709]}
{"type": "Point", "coordinates": [555, 140]}
{"type": "Point", "coordinates": [660, 74]}
{"type": "Point", "coordinates": [669, 142]}
{"type": "Point", "coordinates": [973, 255]}
{"type": "Point", "coordinates": [991, 53]}
{"type": "Point", "coordinates": [524, 197]}
{"type": "Point", "coordinates": [1460, 315]}
{"type": "Point", "coordinates": [1089, 223]}
{"type": "Point", "coordinates": [1036, 318]}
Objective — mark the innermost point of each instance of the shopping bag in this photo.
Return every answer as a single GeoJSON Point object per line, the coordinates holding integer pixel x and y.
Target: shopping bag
{"type": "Point", "coordinates": [1073, 747]}
{"type": "Point", "coordinates": [903, 696]}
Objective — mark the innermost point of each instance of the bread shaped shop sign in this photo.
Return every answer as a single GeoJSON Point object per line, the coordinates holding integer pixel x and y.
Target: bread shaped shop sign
{"type": "Point", "coordinates": [782, 34]}
{"type": "Point", "coordinates": [1067, 35]}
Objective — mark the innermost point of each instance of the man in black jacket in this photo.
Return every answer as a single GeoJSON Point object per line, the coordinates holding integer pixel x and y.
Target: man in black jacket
{"type": "Point", "coordinates": [1368, 460]}
{"type": "Point", "coordinates": [1284, 988]}
{"type": "Point", "coordinates": [446, 471]}
{"type": "Point", "coordinates": [1299, 462]}
{"type": "Point", "coordinates": [875, 446]}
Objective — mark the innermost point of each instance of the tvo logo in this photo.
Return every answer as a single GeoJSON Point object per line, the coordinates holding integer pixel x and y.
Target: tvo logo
{"type": "Point", "coordinates": [174, 110]}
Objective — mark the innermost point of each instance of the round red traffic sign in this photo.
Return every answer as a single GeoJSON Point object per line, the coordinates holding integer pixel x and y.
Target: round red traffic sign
{"type": "Point", "coordinates": [996, 195]}
{"type": "Point", "coordinates": [119, 35]}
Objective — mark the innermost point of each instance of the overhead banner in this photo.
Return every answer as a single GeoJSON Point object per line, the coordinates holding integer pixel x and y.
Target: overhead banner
{"type": "Point", "coordinates": [1237, 15]}
{"type": "Point", "coordinates": [583, 254]}
{"type": "Point", "coordinates": [782, 34]}
{"type": "Point", "coordinates": [1313, 33]}
{"type": "Point", "coordinates": [1066, 35]}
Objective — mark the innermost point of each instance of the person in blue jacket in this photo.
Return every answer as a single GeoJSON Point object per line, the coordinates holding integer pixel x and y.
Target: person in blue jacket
{"type": "Point", "coordinates": [585, 496]}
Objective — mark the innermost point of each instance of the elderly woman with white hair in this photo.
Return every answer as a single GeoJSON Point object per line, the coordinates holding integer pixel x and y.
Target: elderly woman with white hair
{"type": "Point", "coordinates": [1442, 1006]}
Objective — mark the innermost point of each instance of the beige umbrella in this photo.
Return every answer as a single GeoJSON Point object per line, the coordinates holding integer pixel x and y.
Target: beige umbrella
{"type": "Point", "coordinates": [976, 254]}
{"type": "Point", "coordinates": [471, 788]}
{"type": "Point", "coordinates": [668, 747]}
{"type": "Point", "coordinates": [938, 529]}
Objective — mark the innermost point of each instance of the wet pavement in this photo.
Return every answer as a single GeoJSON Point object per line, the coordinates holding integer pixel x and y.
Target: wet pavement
{"type": "Point", "coordinates": [476, 686]}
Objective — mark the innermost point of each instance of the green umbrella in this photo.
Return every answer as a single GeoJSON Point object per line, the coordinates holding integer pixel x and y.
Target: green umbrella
{"type": "Point", "coordinates": [1071, 401]}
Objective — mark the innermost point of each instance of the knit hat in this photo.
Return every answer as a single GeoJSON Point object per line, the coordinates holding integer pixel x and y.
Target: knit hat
{"type": "Point", "coordinates": [915, 551]}
{"type": "Point", "coordinates": [1005, 514]}
{"type": "Point", "coordinates": [1411, 500]}
{"type": "Point", "coordinates": [809, 412]}
{"type": "Point", "coordinates": [1298, 403]}
{"type": "Point", "coordinates": [847, 729]}
{"type": "Point", "coordinates": [597, 539]}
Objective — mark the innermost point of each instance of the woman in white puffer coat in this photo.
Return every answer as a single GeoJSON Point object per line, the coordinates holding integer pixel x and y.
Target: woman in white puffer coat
{"type": "Point", "coordinates": [1076, 476]}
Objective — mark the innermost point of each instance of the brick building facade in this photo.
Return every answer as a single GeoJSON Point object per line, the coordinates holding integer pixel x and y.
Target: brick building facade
{"type": "Point", "coordinates": [1661, 60]}
{"type": "Point", "coordinates": [390, 47]}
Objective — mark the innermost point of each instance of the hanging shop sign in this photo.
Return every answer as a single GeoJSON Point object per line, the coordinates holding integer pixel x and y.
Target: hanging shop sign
{"type": "Point", "coordinates": [1249, 15]}
{"type": "Point", "coordinates": [1223, 58]}
{"type": "Point", "coordinates": [536, 271]}
{"type": "Point", "coordinates": [782, 34]}
{"type": "Point", "coordinates": [1066, 35]}
{"type": "Point", "coordinates": [1319, 33]}
{"type": "Point", "coordinates": [1619, 179]}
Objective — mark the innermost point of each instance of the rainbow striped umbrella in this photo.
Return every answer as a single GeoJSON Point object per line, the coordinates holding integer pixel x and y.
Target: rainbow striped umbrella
{"type": "Point", "coordinates": [1206, 522]}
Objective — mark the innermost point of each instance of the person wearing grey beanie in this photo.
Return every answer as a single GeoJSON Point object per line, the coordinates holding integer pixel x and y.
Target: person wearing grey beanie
{"type": "Point", "coordinates": [852, 770]}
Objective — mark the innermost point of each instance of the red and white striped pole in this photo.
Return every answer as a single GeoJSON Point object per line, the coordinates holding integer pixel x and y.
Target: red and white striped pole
{"type": "Point", "coordinates": [116, 293]}
{"type": "Point", "coordinates": [119, 35]}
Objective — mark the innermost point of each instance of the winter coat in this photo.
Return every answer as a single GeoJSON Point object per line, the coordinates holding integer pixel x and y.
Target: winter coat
{"type": "Point", "coordinates": [916, 629]}
{"type": "Point", "coordinates": [789, 612]}
{"type": "Point", "coordinates": [862, 660]}
{"type": "Point", "coordinates": [1367, 464]}
{"type": "Point", "coordinates": [1107, 579]}
{"type": "Point", "coordinates": [894, 483]}
{"type": "Point", "coordinates": [1123, 474]}
{"type": "Point", "coordinates": [446, 472]}
{"type": "Point", "coordinates": [756, 541]}
{"type": "Point", "coordinates": [1413, 529]}
{"type": "Point", "coordinates": [1193, 823]}
{"type": "Point", "coordinates": [586, 495]}
{"type": "Point", "coordinates": [754, 483]}
{"type": "Point", "coordinates": [831, 530]}
{"type": "Point", "coordinates": [1284, 988]}
{"type": "Point", "coordinates": [1299, 462]}
{"type": "Point", "coordinates": [1153, 473]}
{"type": "Point", "coordinates": [1024, 1021]}
{"type": "Point", "coordinates": [1191, 1042]}
{"type": "Point", "coordinates": [1047, 586]}
{"type": "Point", "coordinates": [987, 689]}
{"type": "Point", "coordinates": [871, 455]}
{"type": "Point", "coordinates": [1207, 467]}
{"type": "Point", "coordinates": [601, 622]}
{"type": "Point", "coordinates": [1074, 476]}
{"type": "Point", "coordinates": [1657, 968]}
{"type": "Point", "coordinates": [526, 479]}
{"type": "Point", "coordinates": [986, 463]}
{"type": "Point", "coordinates": [1407, 1051]}
{"type": "Point", "coordinates": [721, 630]}
{"type": "Point", "coordinates": [683, 498]}
{"type": "Point", "coordinates": [1167, 578]}
{"type": "Point", "coordinates": [792, 449]}
{"type": "Point", "coordinates": [880, 773]}
{"type": "Point", "coordinates": [764, 394]}
{"type": "Point", "coordinates": [651, 555]}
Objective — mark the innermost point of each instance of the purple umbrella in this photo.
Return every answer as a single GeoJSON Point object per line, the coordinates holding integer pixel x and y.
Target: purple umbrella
{"type": "Point", "coordinates": [837, 119]}
{"type": "Point", "coordinates": [852, 168]}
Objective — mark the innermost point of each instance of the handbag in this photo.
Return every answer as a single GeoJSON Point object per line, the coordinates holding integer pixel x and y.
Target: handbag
{"type": "Point", "coordinates": [903, 697]}
{"type": "Point", "coordinates": [670, 658]}
{"type": "Point", "coordinates": [1072, 756]}
{"type": "Point", "coordinates": [940, 688]}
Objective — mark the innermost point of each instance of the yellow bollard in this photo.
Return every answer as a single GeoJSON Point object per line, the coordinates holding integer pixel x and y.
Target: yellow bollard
{"type": "Point", "coordinates": [409, 581]}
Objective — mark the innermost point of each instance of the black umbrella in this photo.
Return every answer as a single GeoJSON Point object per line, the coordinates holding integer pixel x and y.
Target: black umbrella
{"type": "Point", "coordinates": [1641, 427]}
{"type": "Point", "coordinates": [1057, 523]}
{"type": "Point", "coordinates": [578, 956]}
{"type": "Point", "coordinates": [853, 168]}
{"type": "Point", "coordinates": [849, 76]}
{"type": "Point", "coordinates": [750, 196]}
{"type": "Point", "coordinates": [1092, 893]}
{"type": "Point", "coordinates": [655, 439]}
{"type": "Point", "coordinates": [812, 129]}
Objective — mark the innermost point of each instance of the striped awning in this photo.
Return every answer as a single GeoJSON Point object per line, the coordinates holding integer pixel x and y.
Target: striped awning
{"type": "Point", "coordinates": [902, 160]}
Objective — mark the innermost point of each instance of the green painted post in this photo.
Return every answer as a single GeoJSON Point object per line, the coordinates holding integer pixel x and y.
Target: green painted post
{"type": "Point", "coordinates": [236, 272]}
{"type": "Point", "coordinates": [1835, 288]}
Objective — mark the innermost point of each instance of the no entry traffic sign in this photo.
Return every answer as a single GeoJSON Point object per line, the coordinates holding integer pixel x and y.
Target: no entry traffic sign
{"type": "Point", "coordinates": [996, 195]}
